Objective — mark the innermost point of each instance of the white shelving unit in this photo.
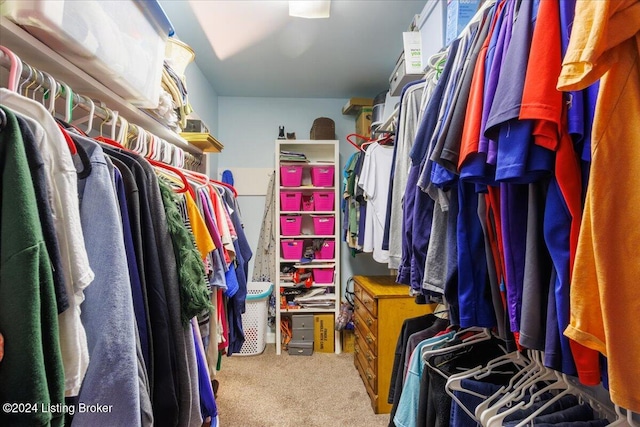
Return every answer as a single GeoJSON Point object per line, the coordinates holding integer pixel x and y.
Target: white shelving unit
{"type": "Point", "coordinates": [318, 154]}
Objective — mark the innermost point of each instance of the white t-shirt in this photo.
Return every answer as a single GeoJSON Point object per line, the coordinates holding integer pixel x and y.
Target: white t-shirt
{"type": "Point", "coordinates": [374, 181]}
{"type": "Point", "coordinates": [61, 174]}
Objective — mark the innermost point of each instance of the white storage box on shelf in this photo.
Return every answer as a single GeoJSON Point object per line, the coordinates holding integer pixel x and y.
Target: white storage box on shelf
{"type": "Point", "coordinates": [119, 43]}
{"type": "Point", "coordinates": [254, 319]}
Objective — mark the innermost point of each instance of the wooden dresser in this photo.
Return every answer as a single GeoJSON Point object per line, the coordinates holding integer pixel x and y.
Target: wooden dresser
{"type": "Point", "coordinates": [381, 306]}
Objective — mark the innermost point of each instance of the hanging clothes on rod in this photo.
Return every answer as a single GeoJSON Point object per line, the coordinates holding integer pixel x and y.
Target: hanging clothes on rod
{"type": "Point", "coordinates": [104, 280]}
{"type": "Point", "coordinates": [498, 167]}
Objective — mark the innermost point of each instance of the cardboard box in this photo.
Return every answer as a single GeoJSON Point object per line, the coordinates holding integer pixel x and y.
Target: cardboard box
{"type": "Point", "coordinates": [363, 122]}
{"type": "Point", "coordinates": [412, 43]}
{"type": "Point", "coordinates": [354, 105]}
{"type": "Point", "coordinates": [323, 333]}
{"type": "Point", "coordinates": [459, 13]}
{"type": "Point", "coordinates": [409, 65]}
{"type": "Point", "coordinates": [348, 340]}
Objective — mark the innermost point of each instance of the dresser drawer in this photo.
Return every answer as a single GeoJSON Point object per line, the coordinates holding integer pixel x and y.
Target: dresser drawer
{"type": "Point", "coordinates": [365, 335]}
{"type": "Point", "coordinates": [302, 321]}
{"type": "Point", "coordinates": [369, 376]}
{"type": "Point", "coordinates": [302, 334]}
{"type": "Point", "coordinates": [372, 394]}
{"type": "Point", "coordinates": [367, 299]}
{"type": "Point", "coordinates": [369, 320]}
{"type": "Point", "coordinates": [367, 355]}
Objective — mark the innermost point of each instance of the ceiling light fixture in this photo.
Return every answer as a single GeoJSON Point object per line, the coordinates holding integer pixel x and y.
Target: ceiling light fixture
{"type": "Point", "coordinates": [311, 9]}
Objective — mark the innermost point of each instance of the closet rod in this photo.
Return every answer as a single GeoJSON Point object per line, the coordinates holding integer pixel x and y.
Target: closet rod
{"type": "Point", "coordinates": [387, 125]}
{"type": "Point", "coordinates": [43, 80]}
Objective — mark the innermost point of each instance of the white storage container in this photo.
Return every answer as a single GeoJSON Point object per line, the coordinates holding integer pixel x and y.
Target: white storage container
{"type": "Point", "coordinates": [120, 43]}
{"type": "Point", "coordinates": [254, 319]}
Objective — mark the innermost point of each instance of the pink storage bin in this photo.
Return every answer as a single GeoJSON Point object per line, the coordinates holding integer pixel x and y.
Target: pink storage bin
{"type": "Point", "coordinates": [307, 203]}
{"type": "Point", "coordinates": [291, 176]}
{"type": "Point", "coordinates": [323, 200]}
{"type": "Point", "coordinates": [291, 201]}
{"type": "Point", "coordinates": [290, 225]}
{"type": "Point", "coordinates": [323, 275]}
{"type": "Point", "coordinates": [323, 225]}
{"type": "Point", "coordinates": [292, 249]}
{"type": "Point", "coordinates": [322, 176]}
{"type": "Point", "coordinates": [327, 251]}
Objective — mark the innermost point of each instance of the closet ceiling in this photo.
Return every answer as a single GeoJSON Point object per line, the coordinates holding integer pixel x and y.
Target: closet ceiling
{"type": "Point", "coordinates": [254, 48]}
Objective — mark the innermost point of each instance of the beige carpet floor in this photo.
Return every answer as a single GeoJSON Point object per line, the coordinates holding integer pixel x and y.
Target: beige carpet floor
{"type": "Point", "coordinates": [322, 390]}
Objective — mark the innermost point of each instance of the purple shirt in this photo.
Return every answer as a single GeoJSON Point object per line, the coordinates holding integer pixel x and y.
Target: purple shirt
{"type": "Point", "coordinates": [495, 54]}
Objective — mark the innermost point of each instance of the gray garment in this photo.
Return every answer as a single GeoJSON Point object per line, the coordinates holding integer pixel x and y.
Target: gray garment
{"type": "Point", "coordinates": [449, 151]}
{"type": "Point", "coordinates": [107, 310]}
{"type": "Point", "coordinates": [537, 273]}
{"type": "Point", "coordinates": [435, 269]}
{"type": "Point", "coordinates": [408, 123]}
{"type": "Point", "coordinates": [146, 410]}
{"type": "Point", "coordinates": [452, 92]}
{"type": "Point", "coordinates": [264, 268]}
{"type": "Point", "coordinates": [185, 358]}
{"type": "Point", "coordinates": [496, 297]}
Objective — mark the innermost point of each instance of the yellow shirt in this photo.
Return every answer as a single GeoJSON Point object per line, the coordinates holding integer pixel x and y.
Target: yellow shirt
{"type": "Point", "coordinates": [204, 242]}
{"type": "Point", "coordinates": [605, 288]}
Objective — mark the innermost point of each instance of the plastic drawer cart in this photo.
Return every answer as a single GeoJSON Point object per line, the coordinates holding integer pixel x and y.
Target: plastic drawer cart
{"type": "Point", "coordinates": [254, 319]}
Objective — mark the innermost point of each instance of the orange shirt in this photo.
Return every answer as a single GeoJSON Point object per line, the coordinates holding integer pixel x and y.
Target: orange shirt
{"type": "Point", "coordinates": [605, 295]}
{"type": "Point", "coordinates": [204, 242]}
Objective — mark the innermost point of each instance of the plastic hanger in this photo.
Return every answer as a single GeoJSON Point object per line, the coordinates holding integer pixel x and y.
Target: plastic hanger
{"type": "Point", "coordinates": [560, 384]}
{"type": "Point", "coordinates": [484, 335]}
{"type": "Point", "coordinates": [490, 407]}
{"type": "Point", "coordinates": [183, 178]}
{"type": "Point", "coordinates": [89, 117]}
{"type": "Point", "coordinates": [114, 123]}
{"type": "Point", "coordinates": [623, 420]}
{"type": "Point", "coordinates": [122, 134]}
{"type": "Point", "coordinates": [50, 93]}
{"type": "Point", "coordinates": [15, 68]}
{"type": "Point", "coordinates": [205, 179]}
{"type": "Point", "coordinates": [68, 101]}
{"type": "Point", "coordinates": [25, 80]}
{"type": "Point", "coordinates": [354, 143]}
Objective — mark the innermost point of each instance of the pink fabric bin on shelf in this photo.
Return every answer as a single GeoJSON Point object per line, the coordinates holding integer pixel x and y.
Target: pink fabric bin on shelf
{"type": "Point", "coordinates": [307, 203]}
{"type": "Point", "coordinates": [290, 200]}
{"type": "Point", "coordinates": [323, 225]}
{"type": "Point", "coordinates": [324, 201]}
{"type": "Point", "coordinates": [323, 275]}
{"type": "Point", "coordinates": [327, 251]}
{"type": "Point", "coordinates": [290, 225]}
{"type": "Point", "coordinates": [292, 249]}
{"type": "Point", "coordinates": [291, 176]}
{"type": "Point", "coordinates": [322, 176]}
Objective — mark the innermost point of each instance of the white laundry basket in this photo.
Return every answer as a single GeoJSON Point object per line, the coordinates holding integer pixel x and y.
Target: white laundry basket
{"type": "Point", "coordinates": [254, 319]}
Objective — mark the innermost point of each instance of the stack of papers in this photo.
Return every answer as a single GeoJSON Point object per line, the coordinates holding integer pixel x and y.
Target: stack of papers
{"type": "Point", "coordinates": [316, 298]}
{"type": "Point", "coordinates": [292, 156]}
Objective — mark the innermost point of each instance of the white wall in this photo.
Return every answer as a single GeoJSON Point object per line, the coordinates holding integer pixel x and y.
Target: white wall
{"type": "Point", "coordinates": [249, 127]}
